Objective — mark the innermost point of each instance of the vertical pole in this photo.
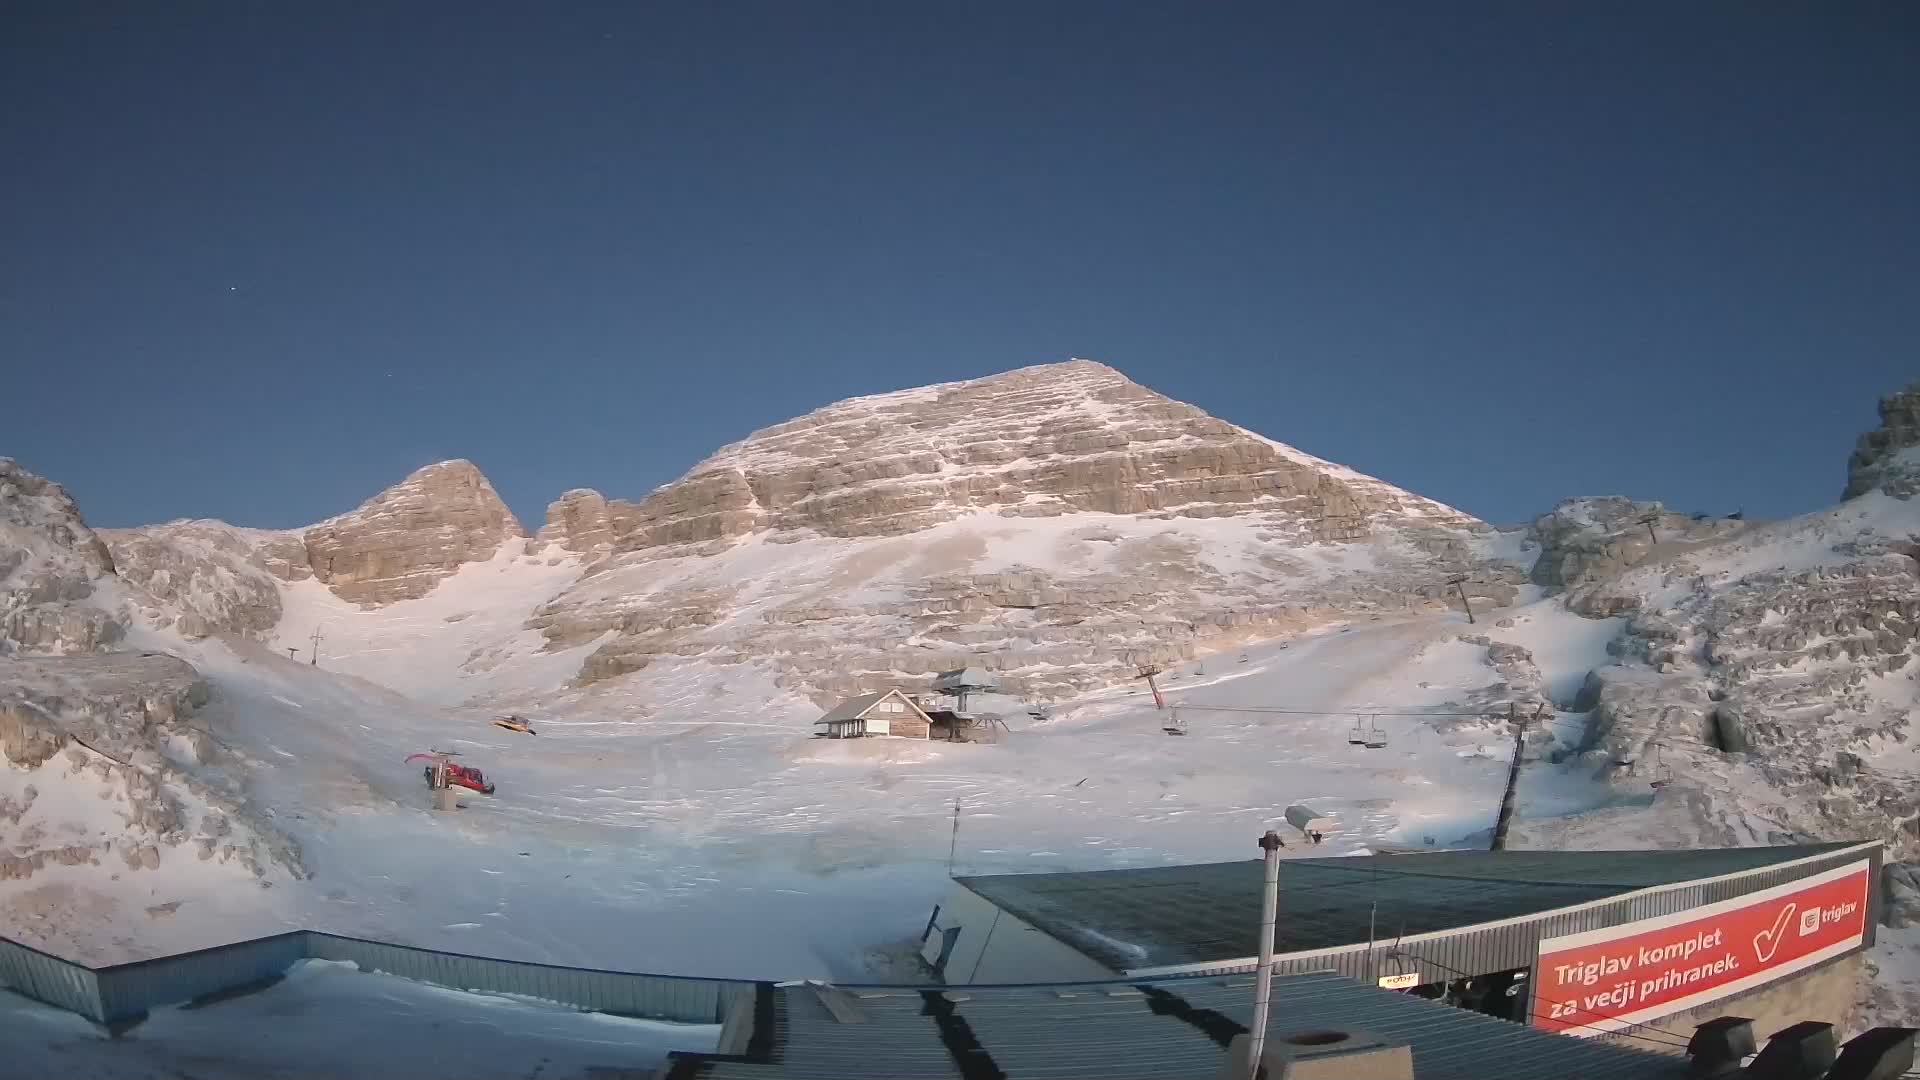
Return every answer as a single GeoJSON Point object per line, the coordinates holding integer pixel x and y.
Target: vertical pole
{"type": "Point", "coordinates": [1158, 701]}
{"type": "Point", "coordinates": [953, 845]}
{"type": "Point", "coordinates": [1263, 980]}
{"type": "Point", "coordinates": [315, 662]}
{"type": "Point", "coordinates": [1460, 586]}
{"type": "Point", "coordinates": [1513, 776]}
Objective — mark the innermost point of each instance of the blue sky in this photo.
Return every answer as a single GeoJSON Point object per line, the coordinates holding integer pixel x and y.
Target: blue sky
{"type": "Point", "coordinates": [259, 261]}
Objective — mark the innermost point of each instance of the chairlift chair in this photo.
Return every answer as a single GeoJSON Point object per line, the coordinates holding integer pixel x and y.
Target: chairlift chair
{"type": "Point", "coordinates": [1368, 733]}
{"type": "Point", "coordinates": [1375, 738]}
{"type": "Point", "coordinates": [1175, 723]}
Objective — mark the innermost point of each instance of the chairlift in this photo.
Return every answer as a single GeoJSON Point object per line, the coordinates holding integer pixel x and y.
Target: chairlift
{"type": "Point", "coordinates": [1175, 724]}
{"type": "Point", "coordinates": [1243, 658]}
{"type": "Point", "coordinates": [1367, 732]}
{"type": "Point", "coordinates": [1377, 738]}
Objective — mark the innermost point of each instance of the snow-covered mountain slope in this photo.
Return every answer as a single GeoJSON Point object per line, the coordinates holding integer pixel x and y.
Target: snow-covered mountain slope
{"type": "Point", "coordinates": [674, 653]}
{"type": "Point", "coordinates": [1059, 523]}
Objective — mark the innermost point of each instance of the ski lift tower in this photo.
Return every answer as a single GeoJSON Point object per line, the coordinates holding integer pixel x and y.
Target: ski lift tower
{"type": "Point", "coordinates": [964, 682]}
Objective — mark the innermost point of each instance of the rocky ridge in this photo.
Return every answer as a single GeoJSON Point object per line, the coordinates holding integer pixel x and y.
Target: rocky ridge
{"type": "Point", "coordinates": [1885, 457]}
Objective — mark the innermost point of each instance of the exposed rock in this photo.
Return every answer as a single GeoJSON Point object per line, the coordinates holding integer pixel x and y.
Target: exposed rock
{"type": "Point", "coordinates": [959, 466]}
{"type": "Point", "coordinates": [579, 521]}
{"type": "Point", "coordinates": [214, 577]}
{"type": "Point", "coordinates": [401, 543]}
{"type": "Point", "coordinates": [1052, 439]}
{"type": "Point", "coordinates": [1885, 458]}
{"type": "Point", "coordinates": [1592, 539]}
{"type": "Point", "coordinates": [51, 568]}
{"type": "Point", "coordinates": [112, 702]}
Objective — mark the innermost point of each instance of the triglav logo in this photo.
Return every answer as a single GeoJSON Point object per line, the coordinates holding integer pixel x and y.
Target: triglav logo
{"type": "Point", "coordinates": [1809, 921]}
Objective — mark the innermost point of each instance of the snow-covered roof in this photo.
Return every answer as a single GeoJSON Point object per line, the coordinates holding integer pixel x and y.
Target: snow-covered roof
{"type": "Point", "coordinates": [856, 707]}
{"type": "Point", "coordinates": [967, 678]}
{"type": "Point", "coordinates": [1210, 912]}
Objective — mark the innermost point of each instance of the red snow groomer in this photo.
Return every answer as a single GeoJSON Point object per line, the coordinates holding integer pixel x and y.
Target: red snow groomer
{"type": "Point", "coordinates": [456, 775]}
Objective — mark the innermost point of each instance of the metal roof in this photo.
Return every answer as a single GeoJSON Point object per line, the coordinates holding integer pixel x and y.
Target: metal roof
{"type": "Point", "coordinates": [968, 678]}
{"type": "Point", "coordinates": [1162, 916]}
{"type": "Point", "coordinates": [1162, 1028]}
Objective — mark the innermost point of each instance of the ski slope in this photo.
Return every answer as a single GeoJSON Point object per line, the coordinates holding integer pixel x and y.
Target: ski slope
{"type": "Point", "coordinates": [684, 820]}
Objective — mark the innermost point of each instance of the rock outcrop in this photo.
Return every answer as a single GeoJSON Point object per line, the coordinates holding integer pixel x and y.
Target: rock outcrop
{"type": "Point", "coordinates": [1591, 539]}
{"type": "Point", "coordinates": [578, 521]}
{"type": "Point", "coordinates": [1781, 694]}
{"type": "Point", "coordinates": [405, 540]}
{"type": "Point", "coordinates": [206, 577]}
{"type": "Point", "coordinates": [82, 730]}
{"type": "Point", "coordinates": [56, 575]}
{"type": "Point", "coordinates": [1886, 459]}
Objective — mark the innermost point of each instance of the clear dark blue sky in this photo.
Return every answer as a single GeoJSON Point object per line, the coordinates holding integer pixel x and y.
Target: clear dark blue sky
{"type": "Point", "coordinates": [258, 261]}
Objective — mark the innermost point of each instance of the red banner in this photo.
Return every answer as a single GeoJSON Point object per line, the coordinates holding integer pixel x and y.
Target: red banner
{"type": "Point", "coordinates": [1604, 980]}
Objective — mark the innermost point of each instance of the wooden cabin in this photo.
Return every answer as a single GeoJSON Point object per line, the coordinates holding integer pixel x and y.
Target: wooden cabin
{"type": "Point", "coordinates": [889, 713]}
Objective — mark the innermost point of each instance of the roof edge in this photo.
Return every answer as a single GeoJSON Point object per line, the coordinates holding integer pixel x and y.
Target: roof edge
{"type": "Point", "coordinates": [1205, 967]}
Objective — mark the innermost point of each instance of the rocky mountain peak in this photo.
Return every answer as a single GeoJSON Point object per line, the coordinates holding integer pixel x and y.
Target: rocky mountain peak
{"type": "Point", "coordinates": [1039, 441]}
{"type": "Point", "coordinates": [1885, 457]}
{"type": "Point", "coordinates": [399, 544]}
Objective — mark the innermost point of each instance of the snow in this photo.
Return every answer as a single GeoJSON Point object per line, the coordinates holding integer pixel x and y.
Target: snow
{"type": "Point", "coordinates": [688, 822]}
{"type": "Point", "coordinates": [465, 639]}
{"type": "Point", "coordinates": [345, 1023]}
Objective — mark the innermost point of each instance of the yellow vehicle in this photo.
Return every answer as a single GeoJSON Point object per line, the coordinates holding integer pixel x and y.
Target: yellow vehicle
{"type": "Point", "coordinates": [515, 723]}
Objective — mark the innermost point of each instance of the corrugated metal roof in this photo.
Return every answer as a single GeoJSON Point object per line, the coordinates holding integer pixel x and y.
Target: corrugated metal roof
{"type": "Point", "coordinates": [851, 708]}
{"type": "Point", "coordinates": [1162, 916]}
{"type": "Point", "coordinates": [1160, 1028]}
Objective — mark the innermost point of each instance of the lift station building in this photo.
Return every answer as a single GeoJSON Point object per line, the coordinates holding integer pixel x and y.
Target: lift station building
{"type": "Point", "coordinates": [1586, 943]}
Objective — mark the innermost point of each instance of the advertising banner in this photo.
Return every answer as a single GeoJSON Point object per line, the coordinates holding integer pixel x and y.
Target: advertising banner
{"type": "Point", "coordinates": [1605, 980]}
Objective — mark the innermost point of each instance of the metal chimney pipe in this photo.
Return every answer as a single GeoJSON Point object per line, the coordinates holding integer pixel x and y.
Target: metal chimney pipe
{"type": "Point", "coordinates": [1263, 979]}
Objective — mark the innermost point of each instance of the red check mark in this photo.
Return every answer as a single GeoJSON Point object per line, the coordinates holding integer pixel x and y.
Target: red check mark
{"type": "Point", "coordinates": [1767, 942]}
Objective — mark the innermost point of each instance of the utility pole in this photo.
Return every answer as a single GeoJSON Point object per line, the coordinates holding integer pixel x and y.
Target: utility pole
{"type": "Point", "coordinates": [1459, 583]}
{"type": "Point", "coordinates": [1513, 773]}
{"type": "Point", "coordinates": [315, 661]}
{"type": "Point", "coordinates": [1648, 521]}
{"type": "Point", "coordinates": [1148, 673]}
{"type": "Point", "coordinates": [1263, 981]}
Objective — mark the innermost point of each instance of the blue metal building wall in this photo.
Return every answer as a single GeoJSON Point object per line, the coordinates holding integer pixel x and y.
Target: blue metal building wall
{"type": "Point", "coordinates": [50, 980]}
{"type": "Point", "coordinates": [129, 990]}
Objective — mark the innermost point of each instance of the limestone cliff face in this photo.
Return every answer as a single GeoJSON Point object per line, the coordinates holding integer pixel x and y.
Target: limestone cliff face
{"type": "Point", "coordinates": [1059, 523]}
{"type": "Point", "coordinates": [578, 521]}
{"type": "Point", "coordinates": [1036, 442]}
{"type": "Point", "coordinates": [1885, 458]}
{"type": "Point", "coordinates": [399, 544]}
{"type": "Point", "coordinates": [51, 569]}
